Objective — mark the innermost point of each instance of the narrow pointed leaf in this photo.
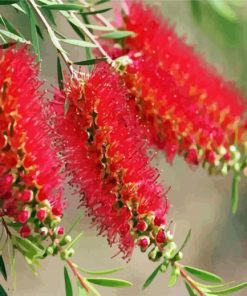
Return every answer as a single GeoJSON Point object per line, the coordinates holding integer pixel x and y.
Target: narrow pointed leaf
{"type": "Point", "coordinates": [90, 62]}
{"type": "Point", "coordinates": [9, 26]}
{"type": "Point", "coordinates": [59, 74]}
{"type": "Point", "coordinates": [74, 241]}
{"type": "Point", "coordinates": [66, 7]}
{"type": "Point", "coordinates": [98, 28]}
{"type": "Point", "coordinates": [101, 2]}
{"type": "Point", "coordinates": [184, 243]}
{"type": "Point", "coordinates": [234, 198]}
{"type": "Point", "coordinates": [78, 43]}
{"type": "Point", "coordinates": [107, 282]}
{"type": "Point", "coordinates": [151, 277]}
{"type": "Point", "coordinates": [95, 11]}
{"type": "Point", "coordinates": [100, 272]}
{"type": "Point", "coordinates": [34, 33]}
{"type": "Point", "coordinates": [173, 278]}
{"type": "Point", "coordinates": [117, 35]}
{"type": "Point", "coordinates": [8, 2]}
{"type": "Point", "coordinates": [18, 8]}
{"type": "Point", "coordinates": [203, 275]}
{"type": "Point", "coordinates": [2, 268]}
{"type": "Point", "coordinates": [224, 9]}
{"type": "Point", "coordinates": [229, 290]}
{"type": "Point", "coordinates": [2, 291]}
{"type": "Point", "coordinates": [68, 285]}
{"type": "Point", "coordinates": [13, 36]}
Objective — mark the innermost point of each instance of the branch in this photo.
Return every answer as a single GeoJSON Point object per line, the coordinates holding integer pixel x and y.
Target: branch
{"type": "Point", "coordinates": [88, 34]}
{"type": "Point", "coordinates": [188, 279]}
{"type": "Point", "coordinates": [49, 30]}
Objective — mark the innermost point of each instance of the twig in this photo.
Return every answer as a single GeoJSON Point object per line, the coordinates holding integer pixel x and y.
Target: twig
{"type": "Point", "coordinates": [188, 279]}
{"type": "Point", "coordinates": [77, 274]}
{"type": "Point", "coordinates": [49, 29]}
{"type": "Point", "coordinates": [88, 34]}
{"type": "Point", "coordinates": [100, 17]}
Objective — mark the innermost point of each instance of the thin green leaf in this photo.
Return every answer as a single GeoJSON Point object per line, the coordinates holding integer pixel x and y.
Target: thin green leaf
{"type": "Point", "coordinates": [101, 2]}
{"type": "Point", "coordinates": [117, 35]}
{"type": "Point", "coordinates": [39, 32]}
{"type": "Point", "coordinates": [173, 277]}
{"type": "Point", "coordinates": [28, 248]}
{"type": "Point", "coordinates": [18, 8]}
{"type": "Point", "coordinates": [2, 291]}
{"type": "Point", "coordinates": [2, 268]}
{"type": "Point", "coordinates": [224, 9]}
{"type": "Point", "coordinates": [11, 253]}
{"type": "Point", "coordinates": [8, 2]}
{"type": "Point", "coordinates": [196, 9]}
{"type": "Point", "coordinates": [190, 291]}
{"type": "Point", "coordinates": [59, 74]}
{"type": "Point", "coordinates": [95, 11]}
{"type": "Point", "coordinates": [77, 30]}
{"type": "Point", "coordinates": [90, 62]}
{"type": "Point", "coordinates": [13, 36]}
{"type": "Point", "coordinates": [64, 7]}
{"type": "Point", "coordinates": [229, 290]}
{"type": "Point", "coordinates": [98, 28]}
{"type": "Point", "coordinates": [34, 33]}
{"type": "Point", "coordinates": [184, 243]}
{"type": "Point", "coordinates": [107, 282]}
{"type": "Point", "coordinates": [72, 226]}
{"type": "Point", "coordinates": [68, 285]}
{"type": "Point", "coordinates": [203, 275]}
{"type": "Point", "coordinates": [107, 271]}
{"type": "Point", "coordinates": [55, 40]}
{"type": "Point", "coordinates": [78, 43]}
{"type": "Point", "coordinates": [234, 198]}
{"type": "Point", "coordinates": [83, 292]}
{"type": "Point", "coordinates": [74, 241]}
{"type": "Point", "coordinates": [9, 26]}
{"type": "Point", "coordinates": [152, 276]}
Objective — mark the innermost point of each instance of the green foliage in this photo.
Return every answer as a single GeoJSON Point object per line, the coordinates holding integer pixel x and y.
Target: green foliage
{"type": "Point", "coordinates": [117, 35]}
{"type": "Point", "coordinates": [2, 268]}
{"type": "Point", "coordinates": [2, 291]}
{"type": "Point", "coordinates": [108, 282]}
{"type": "Point", "coordinates": [203, 275]}
{"type": "Point", "coordinates": [234, 198]}
{"type": "Point", "coordinates": [151, 277]}
{"type": "Point", "coordinates": [68, 285]}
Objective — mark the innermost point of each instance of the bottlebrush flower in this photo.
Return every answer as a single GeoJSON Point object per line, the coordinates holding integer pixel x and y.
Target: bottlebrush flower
{"type": "Point", "coordinates": [106, 158]}
{"type": "Point", "coordinates": [183, 105]}
{"type": "Point", "coordinates": [28, 167]}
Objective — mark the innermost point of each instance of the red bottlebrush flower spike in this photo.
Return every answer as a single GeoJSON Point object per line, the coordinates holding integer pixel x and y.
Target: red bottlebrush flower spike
{"type": "Point", "coordinates": [107, 159]}
{"type": "Point", "coordinates": [183, 106]}
{"type": "Point", "coordinates": [28, 167]}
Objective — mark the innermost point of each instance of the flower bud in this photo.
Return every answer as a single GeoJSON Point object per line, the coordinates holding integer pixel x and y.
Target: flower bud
{"type": "Point", "coordinates": [26, 195]}
{"type": "Point", "coordinates": [23, 216]}
{"type": "Point", "coordinates": [59, 230]}
{"type": "Point", "coordinates": [144, 242]}
{"type": "Point", "coordinates": [141, 226]}
{"type": "Point", "coordinates": [159, 220]}
{"type": "Point", "coordinates": [50, 250]}
{"type": "Point", "coordinates": [57, 210]}
{"type": "Point", "coordinates": [43, 231]}
{"type": "Point", "coordinates": [25, 231]}
{"type": "Point", "coordinates": [161, 236]}
{"type": "Point", "coordinates": [41, 214]}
